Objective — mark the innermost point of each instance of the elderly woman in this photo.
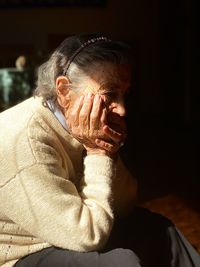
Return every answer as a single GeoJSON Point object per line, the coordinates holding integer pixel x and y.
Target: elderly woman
{"type": "Point", "coordinates": [62, 180]}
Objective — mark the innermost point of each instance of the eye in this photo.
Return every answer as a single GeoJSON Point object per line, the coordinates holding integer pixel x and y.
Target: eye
{"type": "Point", "coordinates": [110, 96]}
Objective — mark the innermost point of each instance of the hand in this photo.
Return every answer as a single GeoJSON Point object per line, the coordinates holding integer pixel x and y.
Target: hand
{"type": "Point", "coordinates": [115, 130]}
{"type": "Point", "coordinates": [116, 140]}
{"type": "Point", "coordinates": [87, 122]}
{"type": "Point", "coordinates": [85, 119]}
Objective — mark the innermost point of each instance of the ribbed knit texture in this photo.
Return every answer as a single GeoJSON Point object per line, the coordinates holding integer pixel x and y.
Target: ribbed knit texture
{"type": "Point", "coordinates": [49, 194]}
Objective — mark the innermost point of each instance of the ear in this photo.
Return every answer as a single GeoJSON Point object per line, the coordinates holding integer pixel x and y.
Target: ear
{"type": "Point", "coordinates": [62, 90]}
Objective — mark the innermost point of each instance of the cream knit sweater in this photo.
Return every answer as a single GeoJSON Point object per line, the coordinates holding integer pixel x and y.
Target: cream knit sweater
{"type": "Point", "coordinates": [49, 194]}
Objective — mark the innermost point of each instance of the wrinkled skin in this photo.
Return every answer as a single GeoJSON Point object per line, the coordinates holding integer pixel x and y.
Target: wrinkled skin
{"type": "Point", "coordinates": [87, 121]}
{"type": "Point", "coordinates": [96, 114]}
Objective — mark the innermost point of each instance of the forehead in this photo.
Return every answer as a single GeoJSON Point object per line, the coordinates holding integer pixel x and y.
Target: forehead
{"type": "Point", "coordinates": [107, 74]}
{"type": "Point", "coordinates": [112, 73]}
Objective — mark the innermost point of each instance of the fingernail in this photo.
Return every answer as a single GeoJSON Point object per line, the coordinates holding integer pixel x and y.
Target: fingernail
{"type": "Point", "coordinates": [97, 97]}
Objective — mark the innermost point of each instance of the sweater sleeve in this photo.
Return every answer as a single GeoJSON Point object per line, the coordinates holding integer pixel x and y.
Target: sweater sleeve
{"type": "Point", "coordinates": [49, 207]}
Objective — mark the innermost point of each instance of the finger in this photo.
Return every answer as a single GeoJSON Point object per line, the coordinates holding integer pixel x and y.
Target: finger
{"type": "Point", "coordinates": [112, 148]}
{"type": "Point", "coordinates": [84, 117]}
{"type": "Point", "coordinates": [96, 112]}
{"type": "Point", "coordinates": [115, 136]}
{"type": "Point", "coordinates": [103, 118]}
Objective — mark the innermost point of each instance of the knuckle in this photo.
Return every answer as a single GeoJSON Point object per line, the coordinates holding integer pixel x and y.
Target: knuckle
{"type": "Point", "coordinates": [80, 134]}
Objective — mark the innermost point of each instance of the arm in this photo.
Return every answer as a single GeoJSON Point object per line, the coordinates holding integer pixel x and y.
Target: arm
{"type": "Point", "coordinates": [45, 203]}
{"type": "Point", "coordinates": [124, 185]}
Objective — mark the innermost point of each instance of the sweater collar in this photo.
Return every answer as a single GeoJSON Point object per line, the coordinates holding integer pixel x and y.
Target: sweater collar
{"type": "Point", "coordinates": [61, 118]}
{"type": "Point", "coordinates": [58, 113]}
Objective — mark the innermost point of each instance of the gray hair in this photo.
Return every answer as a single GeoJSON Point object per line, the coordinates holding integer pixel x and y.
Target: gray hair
{"type": "Point", "coordinates": [89, 56]}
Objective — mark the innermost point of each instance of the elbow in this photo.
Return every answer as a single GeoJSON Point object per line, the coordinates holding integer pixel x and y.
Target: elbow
{"type": "Point", "coordinates": [95, 236]}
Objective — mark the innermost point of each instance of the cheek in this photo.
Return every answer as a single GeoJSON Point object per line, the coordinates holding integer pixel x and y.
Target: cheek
{"type": "Point", "coordinates": [116, 122]}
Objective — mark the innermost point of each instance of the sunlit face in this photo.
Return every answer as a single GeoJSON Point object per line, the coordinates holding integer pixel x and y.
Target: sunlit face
{"type": "Point", "coordinates": [112, 83]}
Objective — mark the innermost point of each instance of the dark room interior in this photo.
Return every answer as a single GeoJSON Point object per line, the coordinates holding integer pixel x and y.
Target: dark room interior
{"type": "Point", "coordinates": [162, 147]}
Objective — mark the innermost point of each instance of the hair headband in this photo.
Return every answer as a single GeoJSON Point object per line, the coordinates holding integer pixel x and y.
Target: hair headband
{"type": "Point", "coordinates": [89, 42]}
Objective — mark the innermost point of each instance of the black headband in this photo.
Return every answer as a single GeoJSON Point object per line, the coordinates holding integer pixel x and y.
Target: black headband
{"type": "Point", "coordinates": [89, 42]}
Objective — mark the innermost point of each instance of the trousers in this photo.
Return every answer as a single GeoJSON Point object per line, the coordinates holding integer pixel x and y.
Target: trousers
{"type": "Point", "coordinates": [144, 239]}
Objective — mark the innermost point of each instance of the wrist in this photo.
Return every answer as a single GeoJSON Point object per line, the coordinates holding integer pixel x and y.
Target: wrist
{"type": "Point", "coordinates": [97, 151]}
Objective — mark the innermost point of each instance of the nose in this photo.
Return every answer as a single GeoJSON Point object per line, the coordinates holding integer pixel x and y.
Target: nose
{"type": "Point", "coordinates": [119, 108]}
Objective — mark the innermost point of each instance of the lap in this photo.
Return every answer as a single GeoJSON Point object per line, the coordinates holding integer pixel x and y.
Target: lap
{"type": "Point", "coordinates": [53, 257]}
{"type": "Point", "coordinates": [143, 239]}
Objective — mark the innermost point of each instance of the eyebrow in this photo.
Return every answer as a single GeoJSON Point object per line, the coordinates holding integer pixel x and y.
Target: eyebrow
{"type": "Point", "coordinates": [108, 87]}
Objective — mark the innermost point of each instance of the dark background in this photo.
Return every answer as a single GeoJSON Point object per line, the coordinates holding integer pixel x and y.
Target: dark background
{"type": "Point", "coordinates": [162, 149]}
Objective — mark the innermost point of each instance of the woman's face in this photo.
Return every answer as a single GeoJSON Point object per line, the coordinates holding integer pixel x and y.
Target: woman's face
{"type": "Point", "coordinates": [111, 82]}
